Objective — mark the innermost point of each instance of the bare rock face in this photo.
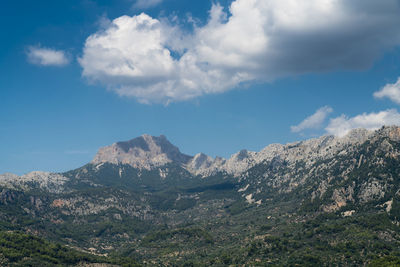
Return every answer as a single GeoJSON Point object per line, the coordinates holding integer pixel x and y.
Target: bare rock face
{"type": "Point", "coordinates": [142, 152]}
{"type": "Point", "coordinates": [204, 165]}
{"type": "Point", "coordinates": [200, 161]}
{"type": "Point", "coordinates": [392, 132]}
{"type": "Point", "coordinates": [308, 151]}
{"type": "Point", "coordinates": [371, 190]}
{"type": "Point", "coordinates": [340, 198]}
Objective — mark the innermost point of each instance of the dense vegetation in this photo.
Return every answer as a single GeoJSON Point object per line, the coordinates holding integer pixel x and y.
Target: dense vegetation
{"type": "Point", "coordinates": [19, 249]}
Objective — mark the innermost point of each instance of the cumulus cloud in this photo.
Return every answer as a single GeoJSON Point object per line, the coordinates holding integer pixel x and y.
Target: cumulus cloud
{"type": "Point", "coordinates": [314, 121]}
{"type": "Point", "coordinates": [46, 56]}
{"type": "Point", "coordinates": [143, 4]}
{"type": "Point", "coordinates": [391, 91]}
{"type": "Point", "coordinates": [257, 40]}
{"type": "Point", "coordinates": [340, 126]}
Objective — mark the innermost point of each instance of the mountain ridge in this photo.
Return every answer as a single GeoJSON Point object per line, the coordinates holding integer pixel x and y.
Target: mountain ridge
{"type": "Point", "coordinates": [149, 151]}
{"type": "Point", "coordinates": [327, 199]}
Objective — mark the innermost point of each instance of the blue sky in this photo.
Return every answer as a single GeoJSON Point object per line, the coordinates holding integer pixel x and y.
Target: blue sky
{"type": "Point", "coordinates": [213, 78]}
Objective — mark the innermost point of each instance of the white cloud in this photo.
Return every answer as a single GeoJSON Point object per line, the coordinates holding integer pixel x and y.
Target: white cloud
{"type": "Point", "coordinates": [143, 4]}
{"type": "Point", "coordinates": [340, 126]}
{"type": "Point", "coordinates": [46, 56]}
{"type": "Point", "coordinates": [391, 91]}
{"type": "Point", "coordinates": [314, 121]}
{"type": "Point", "coordinates": [258, 40]}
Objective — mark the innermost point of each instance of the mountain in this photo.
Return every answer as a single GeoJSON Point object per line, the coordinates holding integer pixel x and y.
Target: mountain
{"type": "Point", "coordinates": [142, 152]}
{"type": "Point", "coordinates": [50, 182]}
{"type": "Point", "coordinates": [324, 201]}
{"type": "Point", "coordinates": [149, 152]}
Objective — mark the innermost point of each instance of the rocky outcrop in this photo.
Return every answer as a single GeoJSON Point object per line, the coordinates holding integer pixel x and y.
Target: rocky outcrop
{"type": "Point", "coordinates": [51, 182]}
{"type": "Point", "coordinates": [144, 152]}
{"type": "Point", "coordinates": [309, 151]}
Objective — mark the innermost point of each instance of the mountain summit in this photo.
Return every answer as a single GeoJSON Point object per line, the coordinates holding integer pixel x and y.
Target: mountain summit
{"type": "Point", "coordinates": [142, 152]}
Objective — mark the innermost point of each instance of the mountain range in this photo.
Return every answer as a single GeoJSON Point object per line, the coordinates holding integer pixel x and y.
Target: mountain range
{"type": "Point", "coordinates": [324, 201]}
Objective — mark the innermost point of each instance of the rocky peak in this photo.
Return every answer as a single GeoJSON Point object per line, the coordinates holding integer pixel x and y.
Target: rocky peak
{"type": "Point", "coordinates": [201, 160]}
{"type": "Point", "coordinates": [242, 155]}
{"type": "Point", "coordinates": [393, 132]}
{"type": "Point", "coordinates": [142, 152]}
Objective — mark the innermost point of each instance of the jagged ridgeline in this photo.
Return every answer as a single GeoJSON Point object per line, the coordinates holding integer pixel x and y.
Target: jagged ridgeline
{"type": "Point", "coordinates": [325, 201]}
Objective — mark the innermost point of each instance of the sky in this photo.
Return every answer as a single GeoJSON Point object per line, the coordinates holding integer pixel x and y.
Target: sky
{"type": "Point", "coordinates": [213, 76]}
